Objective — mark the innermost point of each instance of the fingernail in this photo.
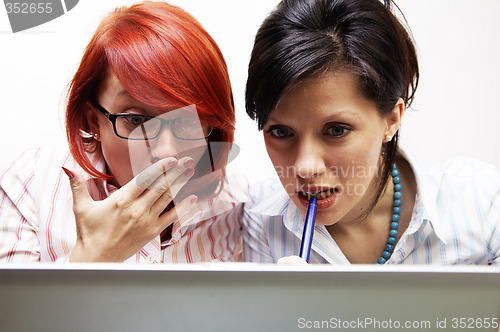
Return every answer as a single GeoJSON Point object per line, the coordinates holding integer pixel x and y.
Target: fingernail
{"type": "Point", "coordinates": [188, 163]}
{"type": "Point", "coordinates": [172, 163]}
{"type": "Point", "coordinates": [68, 173]}
{"type": "Point", "coordinates": [189, 172]}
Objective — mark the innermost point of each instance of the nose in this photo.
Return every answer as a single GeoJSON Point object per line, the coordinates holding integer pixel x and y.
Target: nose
{"type": "Point", "coordinates": [164, 145]}
{"type": "Point", "coordinates": [309, 159]}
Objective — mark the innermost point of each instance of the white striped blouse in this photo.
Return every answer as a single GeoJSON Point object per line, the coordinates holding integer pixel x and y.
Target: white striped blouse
{"type": "Point", "coordinates": [37, 223]}
{"type": "Point", "coordinates": [456, 220]}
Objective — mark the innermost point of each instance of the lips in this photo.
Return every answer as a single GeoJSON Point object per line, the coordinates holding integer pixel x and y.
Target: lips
{"type": "Point", "coordinates": [318, 194]}
{"type": "Point", "coordinates": [324, 195]}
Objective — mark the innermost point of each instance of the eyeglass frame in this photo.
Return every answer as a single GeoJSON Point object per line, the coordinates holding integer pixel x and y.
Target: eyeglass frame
{"type": "Point", "coordinates": [113, 116]}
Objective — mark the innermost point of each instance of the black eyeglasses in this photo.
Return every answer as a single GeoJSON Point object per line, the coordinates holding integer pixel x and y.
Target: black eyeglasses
{"type": "Point", "coordinates": [145, 127]}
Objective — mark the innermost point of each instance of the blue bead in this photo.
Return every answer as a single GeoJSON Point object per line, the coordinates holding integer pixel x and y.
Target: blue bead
{"type": "Point", "coordinates": [389, 248]}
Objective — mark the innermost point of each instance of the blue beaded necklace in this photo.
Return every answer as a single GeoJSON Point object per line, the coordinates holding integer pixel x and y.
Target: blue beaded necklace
{"type": "Point", "coordinates": [389, 248]}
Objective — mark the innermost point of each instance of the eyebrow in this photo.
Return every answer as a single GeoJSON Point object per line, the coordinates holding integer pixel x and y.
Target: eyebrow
{"type": "Point", "coordinates": [342, 113]}
{"type": "Point", "coordinates": [330, 118]}
{"type": "Point", "coordinates": [123, 93]}
{"type": "Point", "coordinates": [124, 97]}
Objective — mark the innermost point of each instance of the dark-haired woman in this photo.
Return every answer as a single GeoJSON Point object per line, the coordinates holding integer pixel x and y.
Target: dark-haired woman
{"type": "Point", "coordinates": [150, 122]}
{"type": "Point", "coordinates": [328, 84]}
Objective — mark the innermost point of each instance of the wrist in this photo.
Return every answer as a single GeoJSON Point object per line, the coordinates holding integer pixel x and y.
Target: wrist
{"type": "Point", "coordinates": [82, 255]}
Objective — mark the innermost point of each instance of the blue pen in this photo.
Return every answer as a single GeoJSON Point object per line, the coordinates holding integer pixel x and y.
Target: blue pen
{"type": "Point", "coordinates": [307, 235]}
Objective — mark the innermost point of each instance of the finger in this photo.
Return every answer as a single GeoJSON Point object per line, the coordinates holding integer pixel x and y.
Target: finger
{"type": "Point", "coordinates": [160, 187]}
{"type": "Point", "coordinates": [180, 210]}
{"type": "Point", "coordinates": [172, 192]}
{"type": "Point", "coordinates": [292, 260]}
{"type": "Point", "coordinates": [79, 190]}
{"type": "Point", "coordinates": [147, 177]}
{"type": "Point", "coordinates": [171, 176]}
{"type": "Point", "coordinates": [181, 181]}
{"type": "Point", "coordinates": [162, 184]}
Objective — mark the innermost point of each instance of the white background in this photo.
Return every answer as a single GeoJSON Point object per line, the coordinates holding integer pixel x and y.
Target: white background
{"type": "Point", "coordinates": [456, 108]}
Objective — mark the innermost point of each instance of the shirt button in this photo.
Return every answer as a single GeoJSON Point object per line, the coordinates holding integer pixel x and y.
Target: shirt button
{"type": "Point", "coordinates": [150, 259]}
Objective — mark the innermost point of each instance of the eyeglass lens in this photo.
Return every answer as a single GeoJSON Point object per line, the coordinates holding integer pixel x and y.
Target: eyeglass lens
{"type": "Point", "coordinates": [138, 126]}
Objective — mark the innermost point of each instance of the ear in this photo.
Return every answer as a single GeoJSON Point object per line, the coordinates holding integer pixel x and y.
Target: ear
{"type": "Point", "coordinates": [393, 120]}
{"type": "Point", "coordinates": [92, 120]}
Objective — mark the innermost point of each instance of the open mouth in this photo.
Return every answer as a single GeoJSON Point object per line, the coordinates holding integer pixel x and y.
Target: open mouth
{"type": "Point", "coordinates": [319, 195]}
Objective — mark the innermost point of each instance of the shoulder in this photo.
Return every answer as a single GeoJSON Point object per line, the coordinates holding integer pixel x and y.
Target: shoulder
{"type": "Point", "coordinates": [460, 173]}
{"type": "Point", "coordinates": [37, 155]}
{"type": "Point", "coordinates": [461, 189]}
{"type": "Point", "coordinates": [33, 178]}
{"type": "Point", "coordinates": [249, 188]}
{"type": "Point", "coordinates": [462, 199]}
{"type": "Point", "coordinates": [236, 185]}
{"type": "Point", "coordinates": [39, 158]}
{"type": "Point", "coordinates": [266, 188]}
{"type": "Point", "coordinates": [268, 197]}
{"type": "Point", "coordinates": [34, 166]}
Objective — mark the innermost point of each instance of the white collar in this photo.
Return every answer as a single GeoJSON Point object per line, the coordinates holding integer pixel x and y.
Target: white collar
{"type": "Point", "coordinates": [424, 208]}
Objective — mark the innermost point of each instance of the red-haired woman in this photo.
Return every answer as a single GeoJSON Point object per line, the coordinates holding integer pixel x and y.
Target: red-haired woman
{"type": "Point", "coordinates": [150, 121]}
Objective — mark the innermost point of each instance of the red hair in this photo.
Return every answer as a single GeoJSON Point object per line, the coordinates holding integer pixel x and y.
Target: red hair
{"type": "Point", "coordinates": [164, 58]}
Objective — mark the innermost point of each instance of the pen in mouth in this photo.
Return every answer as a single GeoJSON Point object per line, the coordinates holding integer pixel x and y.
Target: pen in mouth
{"type": "Point", "coordinates": [319, 193]}
{"type": "Point", "coordinates": [307, 235]}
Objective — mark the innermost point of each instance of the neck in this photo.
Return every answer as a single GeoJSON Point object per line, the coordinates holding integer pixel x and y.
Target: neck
{"type": "Point", "coordinates": [362, 237]}
{"type": "Point", "coordinates": [364, 213]}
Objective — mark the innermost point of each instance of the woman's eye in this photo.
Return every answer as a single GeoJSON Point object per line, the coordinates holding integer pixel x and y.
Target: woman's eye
{"type": "Point", "coordinates": [135, 120]}
{"type": "Point", "coordinates": [188, 123]}
{"type": "Point", "coordinates": [279, 132]}
{"type": "Point", "coordinates": [338, 130]}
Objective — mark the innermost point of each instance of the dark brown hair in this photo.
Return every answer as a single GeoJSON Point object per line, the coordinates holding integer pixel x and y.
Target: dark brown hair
{"type": "Point", "coordinates": [302, 39]}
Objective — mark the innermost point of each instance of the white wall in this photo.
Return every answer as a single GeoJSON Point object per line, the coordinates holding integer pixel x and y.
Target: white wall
{"type": "Point", "coordinates": [456, 109]}
{"type": "Point", "coordinates": [458, 44]}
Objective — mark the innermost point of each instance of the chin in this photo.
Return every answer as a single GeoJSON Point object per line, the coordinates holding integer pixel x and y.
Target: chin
{"type": "Point", "coordinates": [326, 219]}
